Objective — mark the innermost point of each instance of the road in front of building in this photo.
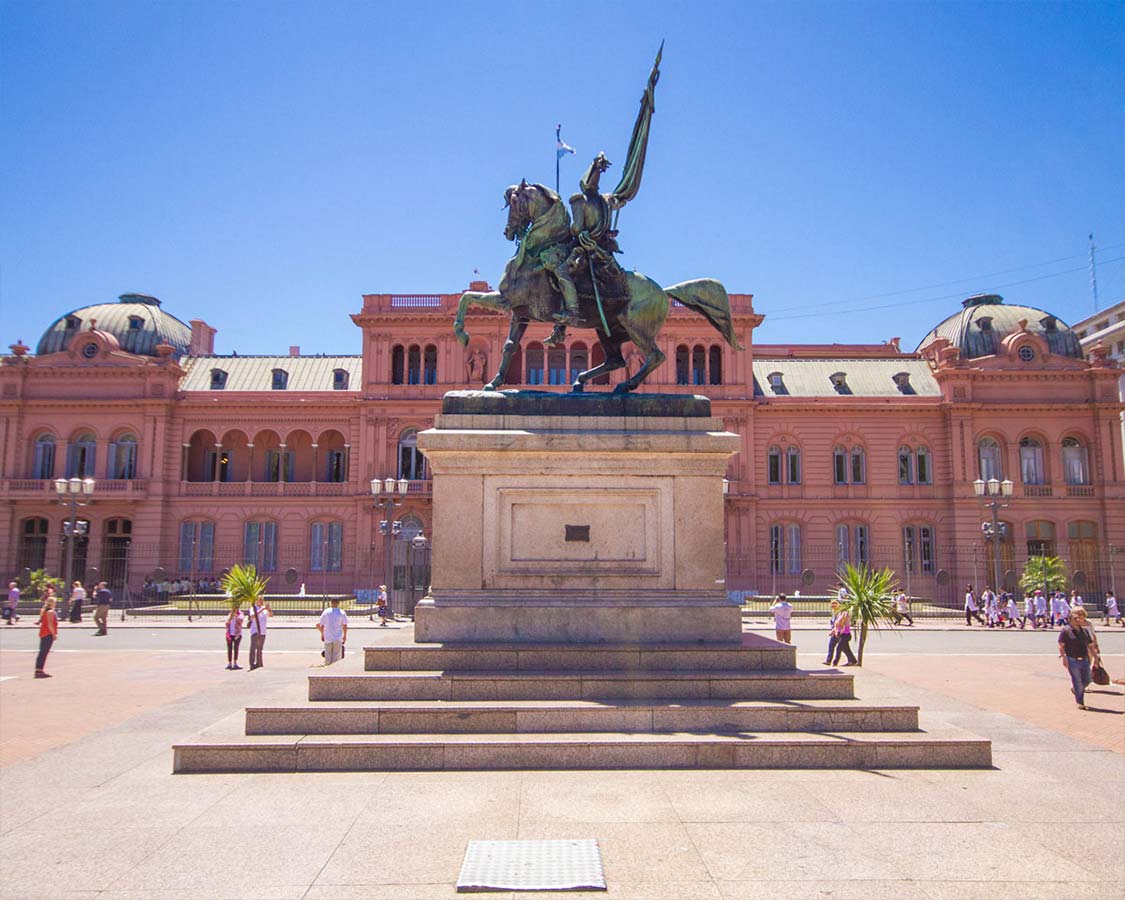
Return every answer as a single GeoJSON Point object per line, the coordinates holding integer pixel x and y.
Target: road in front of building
{"type": "Point", "coordinates": [87, 789]}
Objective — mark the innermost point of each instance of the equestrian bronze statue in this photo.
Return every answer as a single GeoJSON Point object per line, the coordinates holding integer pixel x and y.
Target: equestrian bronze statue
{"type": "Point", "coordinates": [564, 270]}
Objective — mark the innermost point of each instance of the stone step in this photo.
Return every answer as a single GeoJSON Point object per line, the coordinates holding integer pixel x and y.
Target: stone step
{"type": "Point", "coordinates": [545, 716]}
{"type": "Point", "coordinates": [753, 652]}
{"type": "Point", "coordinates": [766, 750]}
{"type": "Point", "coordinates": [583, 685]}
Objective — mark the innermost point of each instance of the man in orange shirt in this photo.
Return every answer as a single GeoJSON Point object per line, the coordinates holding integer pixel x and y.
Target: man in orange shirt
{"type": "Point", "coordinates": [48, 631]}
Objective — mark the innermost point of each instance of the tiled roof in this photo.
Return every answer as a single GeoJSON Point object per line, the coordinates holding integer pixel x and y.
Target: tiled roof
{"type": "Point", "coordinates": [255, 373]}
{"type": "Point", "coordinates": [155, 326]}
{"type": "Point", "coordinates": [985, 321]}
{"type": "Point", "coordinates": [863, 377]}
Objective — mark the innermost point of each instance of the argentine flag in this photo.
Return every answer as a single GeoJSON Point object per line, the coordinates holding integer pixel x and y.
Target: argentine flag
{"type": "Point", "coordinates": [562, 148]}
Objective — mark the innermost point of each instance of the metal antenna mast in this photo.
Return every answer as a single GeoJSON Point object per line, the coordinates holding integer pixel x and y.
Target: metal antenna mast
{"type": "Point", "coordinates": [1093, 272]}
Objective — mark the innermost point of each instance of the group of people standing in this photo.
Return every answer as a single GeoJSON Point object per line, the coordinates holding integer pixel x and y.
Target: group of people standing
{"type": "Point", "coordinates": [1002, 610]}
{"type": "Point", "coordinates": [49, 619]}
{"type": "Point", "coordinates": [256, 621]}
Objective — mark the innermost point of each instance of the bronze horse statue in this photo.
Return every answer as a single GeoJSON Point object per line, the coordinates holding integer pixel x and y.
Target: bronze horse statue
{"type": "Point", "coordinates": [539, 221]}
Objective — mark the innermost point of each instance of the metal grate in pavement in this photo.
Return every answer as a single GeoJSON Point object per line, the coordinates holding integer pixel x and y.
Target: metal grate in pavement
{"type": "Point", "coordinates": [574, 865]}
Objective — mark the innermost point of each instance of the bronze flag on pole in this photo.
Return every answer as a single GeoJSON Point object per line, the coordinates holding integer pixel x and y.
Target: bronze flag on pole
{"type": "Point", "coordinates": [630, 182]}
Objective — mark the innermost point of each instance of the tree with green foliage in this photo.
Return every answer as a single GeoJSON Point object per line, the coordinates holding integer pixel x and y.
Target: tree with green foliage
{"type": "Point", "coordinates": [870, 600]}
{"type": "Point", "coordinates": [1045, 573]}
{"type": "Point", "coordinates": [243, 585]}
{"type": "Point", "coordinates": [40, 581]}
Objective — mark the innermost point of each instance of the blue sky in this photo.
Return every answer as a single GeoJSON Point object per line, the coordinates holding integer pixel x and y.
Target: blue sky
{"type": "Point", "coordinates": [858, 167]}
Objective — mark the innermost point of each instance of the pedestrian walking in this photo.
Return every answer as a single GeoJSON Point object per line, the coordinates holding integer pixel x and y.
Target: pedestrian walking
{"type": "Point", "coordinates": [48, 632]}
{"type": "Point", "coordinates": [234, 637]}
{"type": "Point", "coordinates": [77, 598]}
{"type": "Point", "coordinates": [382, 607]}
{"type": "Point", "coordinates": [972, 608]}
{"type": "Point", "coordinates": [1111, 611]}
{"type": "Point", "coordinates": [843, 629]}
{"type": "Point", "coordinates": [1078, 650]}
{"type": "Point", "coordinates": [333, 628]}
{"type": "Point", "coordinates": [1028, 611]}
{"type": "Point", "coordinates": [103, 597]}
{"type": "Point", "coordinates": [1040, 609]}
{"type": "Point", "coordinates": [1076, 599]}
{"type": "Point", "coordinates": [1061, 609]}
{"type": "Point", "coordinates": [834, 611]}
{"type": "Point", "coordinates": [12, 604]}
{"type": "Point", "coordinates": [902, 609]}
{"type": "Point", "coordinates": [1013, 611]}
{"type": "Point", "coordinates": [259, 618]}
{"type": "Point", "coordinates": [991, 607]}
{"type": "Point", "coordinates": [782, 611]}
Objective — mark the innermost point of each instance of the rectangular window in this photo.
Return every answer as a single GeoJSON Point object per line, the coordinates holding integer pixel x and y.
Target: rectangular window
{"type": "Point", "coordinates": [273, 465]}
{"type": "Point", "coordinates": [44, 459]}
{"type": "Point", "coordinates": [926, 546]}
{"type": "Point", "coordinates": [861, 555]}
{"type": "Point", "coordinates": [905, 466]}
{"type": "Point", "coordinates": [535, 375]}
{"type": "Point", "coordinates": [918, 549]}
{"type": "Point", "coordinates": [316, 547]}
{"type": "Point", "coordinates": [859, 466]}
{"type": "Point", "coordinates": [557, 375]}
{"type": "Point", "coordinates": [197, 547]}
{"type": "Point", "coordinates": [335, 546]}
{"type": "Point", "coordinates": [842, 542]}
{"type": "Point", "coordinates": [187, 547]}
{"type": "Point", "coordinates": [326, 541]}
{"type": "Point", "coordinates": [793, 549]}
{"type": "Point", "coordinates": [773, 466]}
{"type": "Point", "coordinates": [205, 548]}
{"type": "Point", "coordinates": [777, 549]}
{"type": "Point", "coordinates": [840, 466]}
{"type": "Point", "coordinates": [908, 550]}
{"type": "Point", "coordinates": [924, 474]}
{"type": "Point", "coordinates": [251, 538]}
{"type": "Point", "coordinates": [793, 459]}
{"type": "Point", "coordinates": [335, 472]}
{"type": "Point", "coordinates": [259, 546]}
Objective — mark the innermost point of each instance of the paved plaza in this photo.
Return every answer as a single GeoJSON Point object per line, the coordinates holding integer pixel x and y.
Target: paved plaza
{"type": "Point", "coordinates": [89, 807]}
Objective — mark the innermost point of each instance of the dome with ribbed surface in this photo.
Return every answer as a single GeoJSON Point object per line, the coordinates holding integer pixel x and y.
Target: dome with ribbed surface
{"type": "Point", "coordinates": [986, 320]}
{"type": "Point", "coordinates": [136, 320]}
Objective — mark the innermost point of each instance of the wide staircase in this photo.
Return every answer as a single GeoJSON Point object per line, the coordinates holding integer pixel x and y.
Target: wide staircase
{"type": "Point", "coordinates": [521, 706]}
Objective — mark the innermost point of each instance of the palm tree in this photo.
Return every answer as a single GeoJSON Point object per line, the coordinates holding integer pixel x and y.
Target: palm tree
{"type": "Point", "coordinates": [870, 598]}
{"type": "Point", "coordinates": [1047, 573]}
{"type": "Point", "coordinates": [242, 585]}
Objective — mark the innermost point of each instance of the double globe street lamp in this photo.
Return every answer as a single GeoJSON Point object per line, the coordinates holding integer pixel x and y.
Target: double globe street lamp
{"type": "Point", "coordinates": [993, 495]}
{"type": "Point", "coordinates": [389, 493]}
{"type": "Point", "coordinates": [73, 492]}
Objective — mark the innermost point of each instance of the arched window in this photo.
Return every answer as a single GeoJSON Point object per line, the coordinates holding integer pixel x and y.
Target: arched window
{"type": "Point", "coordinates": [785, 549]}
{"type": "Point", "coordinates": [716, 364]}
{"type": "Point", "coordinates": [918, 549]}
{"type": "Point", "coordinates": [683, 365]}
{"type": "Point", "coordinates": [698, 365]}
{"type": "Point", "coordinates": [556, 366]}
{"type": "Point", "coordinates": [914, 465]}
{"type": "Point", "coordinates": [923, 468]}
{"type": "Point", "coordinates": [1076, 461]}
{"type": "Point", "coordinates": [783, 463]}
{"type": "Point", "coordinates": [339, 379]}
{"type": "Point", "coordinates": [849, 465]}
{"type": "Point", "coordinates": [773, 465]}
{"type": "Point", "coordinates": [534, 363]}
{"type": "Point", "coordinates": [123, 457]}
{"type": "Point", "coordinates": [280, 380]}
{"type": "Point", "coordinates": [411, 527]}
{"type": "Point", "coordinates": [81, 456]}
{"type": "Point", "coordinates": [259, 545]}
{"type": "Point", "coordinates": [1032, 470]}
{"type": "Point", "coordinates": [197, 547]}
{"type": "Point", "coordinates": [411, 462]}
{"type": "Point", "coordinates": [398, 365]}
{"type": "Point", "coordinates": [32, 552]}
{"type": "Point", "coordinates": [1040, 538]}
{"type": "Point", "coordinates": [414, 365]}
{"type": "Point", "coordinates": [991, 463]}
{"type": "Point", "coordinates": [429, 365]}
{"type": "Point", "coordinates": [326, 546]}
{"type": "Point", "coordinates": [579, 361]}
{"type": "Point", "coordinates": [43, 466]}
{"type": "Point", "coordinates": [905, 465]}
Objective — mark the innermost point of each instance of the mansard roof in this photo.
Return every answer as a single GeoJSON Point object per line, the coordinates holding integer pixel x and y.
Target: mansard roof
{"type": "Point", "coordinates": [985, 320]}
{"type": "Point", "coordinates": [136, 320]}
{"type": "Point", "coordinates": [877, 377]}
{"type": "Point", "coordinates": [255, 373]}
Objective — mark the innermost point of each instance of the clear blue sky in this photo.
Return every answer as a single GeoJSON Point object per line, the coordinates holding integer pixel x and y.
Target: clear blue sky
{"type": "Point", "coordinates": [262, 165]}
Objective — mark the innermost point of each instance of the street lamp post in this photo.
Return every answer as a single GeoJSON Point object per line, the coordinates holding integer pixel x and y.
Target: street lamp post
{"type": "Point", "coordinates": [73, 492]}
{"type": "Point", "coordinates": [993, 496]}
{"type": "Point", "coordinates": [389, 494]}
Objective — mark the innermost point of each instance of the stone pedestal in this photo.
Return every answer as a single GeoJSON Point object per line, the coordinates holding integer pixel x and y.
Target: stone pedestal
{"type": "Point", "coordinates": [598, 519]}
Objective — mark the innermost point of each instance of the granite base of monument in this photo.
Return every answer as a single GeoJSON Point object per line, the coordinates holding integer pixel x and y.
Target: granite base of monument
{"type": "Point", "coordinates": [597, 519]}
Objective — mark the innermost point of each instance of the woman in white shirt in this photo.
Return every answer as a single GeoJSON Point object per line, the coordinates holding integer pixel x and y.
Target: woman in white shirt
{"type": "Point", "coordinates": [77, 596]}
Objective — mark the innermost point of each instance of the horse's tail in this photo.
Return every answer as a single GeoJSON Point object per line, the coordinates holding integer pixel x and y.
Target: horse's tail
{"type": "Point", "coordinates": [708, 298]}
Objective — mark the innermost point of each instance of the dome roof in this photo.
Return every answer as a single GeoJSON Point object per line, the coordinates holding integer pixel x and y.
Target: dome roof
{"type": "Point", "coordinates": [985, 320]}
{"type": "Point", "coordinates": [136, 320]}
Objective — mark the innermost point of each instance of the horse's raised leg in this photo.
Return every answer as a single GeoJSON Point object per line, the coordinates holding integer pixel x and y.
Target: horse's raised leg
{"type": "Point", "coordinates": [653, 358]}
{"type": "Point", "coordinates": [613, 360]}
{"type": "Point", "coordinates": [515, 334]}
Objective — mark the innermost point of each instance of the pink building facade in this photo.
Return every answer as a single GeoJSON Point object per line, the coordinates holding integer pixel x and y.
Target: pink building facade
{"type": "Point", "coordinates": [849, 452]}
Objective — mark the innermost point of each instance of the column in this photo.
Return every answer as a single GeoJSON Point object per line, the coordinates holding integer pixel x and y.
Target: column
{"type": "Point", "coordinates": [185, 450]}
{"type": "Point", "coordinates": [314, 462]}
{"type": "Point", "coordinates": [281, 463]}
{"type": "Point", "coordinates": [249, 461]}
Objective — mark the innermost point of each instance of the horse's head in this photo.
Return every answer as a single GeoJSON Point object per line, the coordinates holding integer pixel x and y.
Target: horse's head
{"type": "Point", "coordinates": [525, 204]}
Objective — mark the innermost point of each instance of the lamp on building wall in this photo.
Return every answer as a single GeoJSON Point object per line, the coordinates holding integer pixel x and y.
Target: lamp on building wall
{"type": "Point", "coordinates": [73, 492]}
{"type": "Point", "coordinates": [993, 496]}
{"type": "Point", "coordinates": [389, 493]}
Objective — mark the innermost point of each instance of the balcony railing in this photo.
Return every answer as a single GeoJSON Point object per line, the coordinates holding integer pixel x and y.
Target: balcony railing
{"type": "Point", "coordinates": [420, 488]}
{"type": "Point", "coordinates": [1079, 490]}
{"type": "Point", "coordinates": [1037, 490]}
{"type": "Point", "coordinates": [44, 488]}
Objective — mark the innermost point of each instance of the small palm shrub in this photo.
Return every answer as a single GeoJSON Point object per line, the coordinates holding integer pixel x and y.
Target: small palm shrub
{"type": "Point", "coordinates": [870, 598]}
{"type": "Point", "coordinates": [243, 586]}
